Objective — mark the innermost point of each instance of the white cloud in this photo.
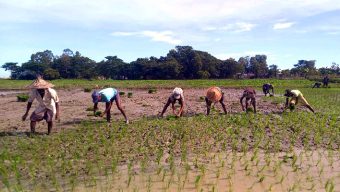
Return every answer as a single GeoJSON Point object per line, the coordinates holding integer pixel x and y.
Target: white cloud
{"type": "Point", "coordinates": [160, 12]}
{"type": "Point", "coordinates": [159, 36]}
{"type": "Point", "coordinates": [239, 27]}
{"type": "Point", "coordinates": [285, 25]}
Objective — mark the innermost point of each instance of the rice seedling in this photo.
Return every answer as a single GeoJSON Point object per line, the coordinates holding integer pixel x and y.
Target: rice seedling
{"type": "Point", "coordinates": [22, 97]}
{"type": "Point", "coordinates": [130, 94]}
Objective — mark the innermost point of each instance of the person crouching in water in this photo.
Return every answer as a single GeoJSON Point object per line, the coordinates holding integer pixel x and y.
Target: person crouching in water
{"type": "Point", "coordinates": [107, 96]}
{"type": "Point", "coordinates": [266, 89]}
{"type": "Point", "coordinates": [48, 104]}
{"type": "Point", "coordinates": [296, 97]}
{"type": "Point", "coordinates": [176, 95]}
{"type": "Point", "coordinates": [250, 94]}
{"type": "Point", "coordinates": [214, 95]}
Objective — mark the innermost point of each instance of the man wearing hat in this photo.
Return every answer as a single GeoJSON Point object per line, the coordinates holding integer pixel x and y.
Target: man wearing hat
{"type": "Point", "coordinates": [176, 95]}
{"type": "Point", "coordinates": [296, 96]}
{"type": "Point", "coordinates": [48, 103]}
{"type": "Point", "coordinates": [250, 94]}
{"type": "Point", "coordinates": [214, 95]}
{"type": "Point", "coordinates": [107, 96]}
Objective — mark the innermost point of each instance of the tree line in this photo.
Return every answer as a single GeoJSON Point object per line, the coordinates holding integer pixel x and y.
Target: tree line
{"type": "Point", "coordinates": [183, 62]}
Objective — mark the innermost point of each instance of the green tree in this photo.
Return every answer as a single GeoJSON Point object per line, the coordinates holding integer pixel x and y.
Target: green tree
{"type": "Point", "coordinates": [273, 70]}
{"type": "Point", "coordinates": [258, 65]}
{"type": "Point", "coordinates": [11, 66]}
{"type": "Point", "coordinates": [230, 68]}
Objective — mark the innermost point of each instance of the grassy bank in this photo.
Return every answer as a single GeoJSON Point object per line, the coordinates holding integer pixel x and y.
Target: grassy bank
{"type": "Point", "coordinates": [231, 83]}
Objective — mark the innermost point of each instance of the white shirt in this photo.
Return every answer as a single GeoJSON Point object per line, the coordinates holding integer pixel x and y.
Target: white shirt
{"type": "Point", "coordinates": [48, 102]}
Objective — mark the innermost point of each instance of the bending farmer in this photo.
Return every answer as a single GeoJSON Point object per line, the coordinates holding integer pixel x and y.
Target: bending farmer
{"type": "Point", "coordinates": [177, 95]}
{"type": "Point", "coordinates": [48, 104]}
{"type": "Point", "coordinates": [214, 95]}
{"type": "Point", "coordinates": [266, 89]}
{"type": "Point", "coordinates": [250, 94]}
{"type": "Point", "coordinates": [296, 97]}
{"type": "Point", "coordinates": [107, 96]}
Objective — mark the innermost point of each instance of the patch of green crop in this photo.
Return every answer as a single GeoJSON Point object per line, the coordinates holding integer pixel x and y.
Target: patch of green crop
{"type": "Point", "coordinates": [22, 97]}
{"type": "Point", "coordinates": [148, 84]}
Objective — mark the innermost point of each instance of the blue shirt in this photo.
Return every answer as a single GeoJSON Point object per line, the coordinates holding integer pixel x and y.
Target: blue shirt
{"type": "Point", "coordinates": [107, 94]}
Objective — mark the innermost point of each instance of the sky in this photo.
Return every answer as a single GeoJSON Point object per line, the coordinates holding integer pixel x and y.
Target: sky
{"type": "Point", "coordinates": [286, 31]}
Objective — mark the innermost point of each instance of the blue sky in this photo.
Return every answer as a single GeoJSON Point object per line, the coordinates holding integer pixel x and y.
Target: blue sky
{"type": "Point", "coordinates": [286, 31]}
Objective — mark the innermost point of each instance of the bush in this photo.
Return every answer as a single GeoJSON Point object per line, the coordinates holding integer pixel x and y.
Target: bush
{"type": "Point", "coordinates": [249, 109]}
{"type": "Point", "coordinates": [129, 95]}
{"type": "Point", "coordinates": [22, 97]}
{"type": "Point", "coordinates": [202, 98]}
{"type": "Point", "coordinates": [87, 90]}
{"type": "Point", "coordinates": [98, 113]}
{"type": "Point", "coordinates": [152, 91]}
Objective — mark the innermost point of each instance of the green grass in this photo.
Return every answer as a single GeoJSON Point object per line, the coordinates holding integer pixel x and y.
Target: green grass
{"type": "Point", "coordinates": [231, 83]}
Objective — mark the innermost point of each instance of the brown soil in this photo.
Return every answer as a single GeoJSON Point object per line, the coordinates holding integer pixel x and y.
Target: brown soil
{"type": "Point", "coordinates": [74, 103]}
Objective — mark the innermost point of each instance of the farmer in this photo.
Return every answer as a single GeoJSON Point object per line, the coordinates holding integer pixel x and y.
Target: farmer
{"type": "Point", "coordinates": [249, 93]}
{"type": "Point", "coordinates": [48, 104]}
{"type": "Point", "coordinates": [214, 95]}
{"type": "Point", "coordinates": [176, 95]}
{"type": "Point", "coordinates": [107, 96]}
{"type": "Point", "coordinates": [296, 96]}
{"type": "Point", "coordinates": [266, 89]}
{"type": "Point", "coordinates": [317, 85]}
{"type": "Point", "coordinates": [325, 81]}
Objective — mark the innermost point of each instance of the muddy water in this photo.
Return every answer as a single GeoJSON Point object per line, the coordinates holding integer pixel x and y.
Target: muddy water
{"type": "Point", "coordinates": [298, 171]}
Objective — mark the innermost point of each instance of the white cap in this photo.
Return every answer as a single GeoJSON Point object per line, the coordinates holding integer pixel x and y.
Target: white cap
{"type": "Point", "coordinates": [177, 92]}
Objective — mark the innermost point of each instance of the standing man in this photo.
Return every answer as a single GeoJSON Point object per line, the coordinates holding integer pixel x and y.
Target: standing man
{"type": "Point", "coordinates": [177, 95]}
{"type": "Point", "coordinates": [214, 95]}
{"type": "Point", "coordinates": [250, 94]}
{"type": "Point", "coordinates": [48, 106]}
{"type": "Point", "coordinates": [325, 81]}
{"type": "Point", "coordinates": [266, 89]}
{"type": "Point", "coordinates": [107, 96]}
{"type": "Point", "coordinates": [296, 96]}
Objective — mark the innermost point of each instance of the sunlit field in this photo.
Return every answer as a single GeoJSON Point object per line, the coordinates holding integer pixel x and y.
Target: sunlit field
{"type": "Point", "coordinates": [286, 151]}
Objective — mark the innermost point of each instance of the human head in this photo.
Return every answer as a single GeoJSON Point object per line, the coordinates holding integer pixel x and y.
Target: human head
{"type": "Point", "coordinates": [95, 97]}
{"type": "Point", "coordinates": [41, 91]}
{"type": "Point", "coordinates": [177, 92]}
{"type": "Point", "coordinates": [288, 93]}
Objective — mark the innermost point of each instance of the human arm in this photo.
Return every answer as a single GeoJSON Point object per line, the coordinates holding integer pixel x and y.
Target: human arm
{"type": "Point", "coordinates": [208, 103]}
{"type": "Point", "coordinates": [181, 101]}
{"type": "Point", "coordinates": [29, 105]}
{"type": "Point", "coordinates": [57, 116]}
{"type": "Point", "coordinates": [241, 101]}
{"type": "Point", "coordinates": [95, 108]}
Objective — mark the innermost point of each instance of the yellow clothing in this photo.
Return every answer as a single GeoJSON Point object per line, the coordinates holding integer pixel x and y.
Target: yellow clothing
{"type": "Point", "coordinates": [48, 102]}
{"type": "Point", "coordinates": [298, 97]}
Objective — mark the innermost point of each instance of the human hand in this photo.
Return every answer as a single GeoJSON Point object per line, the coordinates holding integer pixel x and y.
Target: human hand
{"type": "Point", "coordinates": [24, 117]}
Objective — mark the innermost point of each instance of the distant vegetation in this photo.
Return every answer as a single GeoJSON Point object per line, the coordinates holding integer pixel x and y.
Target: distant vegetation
{"type": "Point", "coordinates": [183, 62]}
